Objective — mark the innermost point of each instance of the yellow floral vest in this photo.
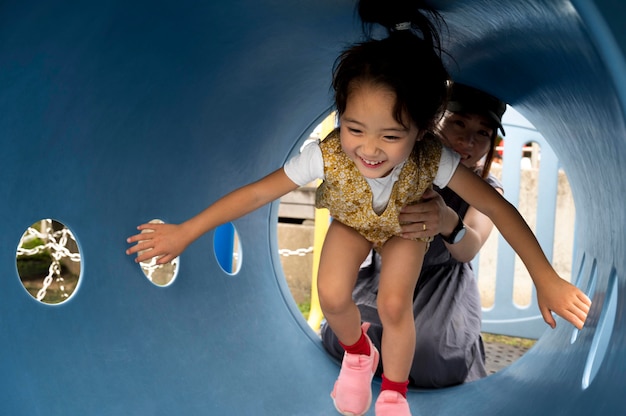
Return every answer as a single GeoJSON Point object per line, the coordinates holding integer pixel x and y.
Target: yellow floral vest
{"type": "Point", "coordinates": [348, 197]}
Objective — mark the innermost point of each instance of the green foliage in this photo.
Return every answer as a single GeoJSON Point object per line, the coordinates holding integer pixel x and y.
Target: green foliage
{"type": "Point", "coordinates": [503, 339]}
{"type": "Point", "coordinates": [305, 309]}
{"type": "Point", "coordinates": [35, 266]}
{"type": "Point", "coordinates": [28, 245]}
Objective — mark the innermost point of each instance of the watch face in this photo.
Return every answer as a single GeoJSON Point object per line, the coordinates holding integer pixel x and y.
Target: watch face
{"type": "Point", "coordinates": [459, 235]}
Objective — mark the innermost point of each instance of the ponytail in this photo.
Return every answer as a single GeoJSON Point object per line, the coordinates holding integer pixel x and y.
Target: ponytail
{"type": "Point", "coordinates": [407, 61]}
{"type": "Point", "coordinates": [398, 16]}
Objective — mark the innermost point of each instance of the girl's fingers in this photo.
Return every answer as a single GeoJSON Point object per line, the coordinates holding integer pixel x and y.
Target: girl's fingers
{"type": "Point", "coordinates": [142, 245]}
{"type": "Point", "coordinates": [138, 237]}
{"type": "Point", "coordinates": [547, 317]}
{"type": "Point", "coordinates": [132, 239]}
{"type": "Point", "coordinates": [583, 306]}
{"type": "Point", "coordinates": [145, 234]}
{"type": "Point", "coordinates": [577, 322]}
{"type": "Point", "coordinates": [151, 226]}
{"type": "Point", "coordinates": [576, 315]}
{"type": "Point", "coordinates": [581, 313]}
{"type": "Point", "coordinates": [164, 259]}
{"type": "Point", "coordinates": [149, 253]}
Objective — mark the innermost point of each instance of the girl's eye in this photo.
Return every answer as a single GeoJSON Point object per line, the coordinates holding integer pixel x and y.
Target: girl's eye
{"type": "Point", "coordinates": [392, 138]}
{"type": "Point", "coordinates": [354, 131]}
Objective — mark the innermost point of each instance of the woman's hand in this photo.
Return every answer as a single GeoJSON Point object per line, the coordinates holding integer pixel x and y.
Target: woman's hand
{"type": "Point", "coordinates": [428, 217]}
{"type": "Point", "coordinates": [164, 241]}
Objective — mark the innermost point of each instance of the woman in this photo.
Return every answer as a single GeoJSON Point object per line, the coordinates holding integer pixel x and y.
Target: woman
{"type": "Point", "coordinates": [447, 308]}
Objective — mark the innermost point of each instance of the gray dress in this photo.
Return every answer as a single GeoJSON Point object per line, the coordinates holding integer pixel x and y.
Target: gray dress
{"type": "Point", "coordinates": [449, 349]}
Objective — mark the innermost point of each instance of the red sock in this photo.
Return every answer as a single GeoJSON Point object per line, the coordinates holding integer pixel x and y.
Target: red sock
{"type": "Point", "coordinates": [401, 387]}
{"type": "Point", "coordinates": [361, 347]}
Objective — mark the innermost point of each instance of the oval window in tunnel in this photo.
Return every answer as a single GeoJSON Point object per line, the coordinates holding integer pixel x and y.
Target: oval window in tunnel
{"type": "Point", "coordinates": [159, 274]}
{"type": "Point", "coordinates": [604, 330]}
{"type": "Point", "coordinates": [227, 248]}
{"type": "Point", "coordinates": [48, 261]}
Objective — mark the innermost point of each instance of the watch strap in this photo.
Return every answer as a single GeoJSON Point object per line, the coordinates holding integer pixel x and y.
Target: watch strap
{"type": "Point", "coordinates": [452, 237]}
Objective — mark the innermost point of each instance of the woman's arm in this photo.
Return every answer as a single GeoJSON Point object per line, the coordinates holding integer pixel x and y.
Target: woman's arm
{"type": "Point", "coordinates": [442, 219]}
{"type": "Point", "coordinates": [168, 241]}
{"type": "Point", "coordinates": [478, 226]}
{"type": "Point", "coordinates": [478, 194]}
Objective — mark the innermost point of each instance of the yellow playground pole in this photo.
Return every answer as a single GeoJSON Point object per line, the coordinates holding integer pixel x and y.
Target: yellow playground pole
{"type": "Point", "coordinates": [321, 226]}
{"type": "Point", "coordinates": [322, 219]}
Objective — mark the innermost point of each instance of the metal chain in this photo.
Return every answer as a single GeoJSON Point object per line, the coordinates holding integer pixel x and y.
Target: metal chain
{"type": "Point", "coordinates": [298, 252]}
{"type": "Point", "coordinates": [56, 242]}
{"type": "Point", "coordinates": [150, 267]}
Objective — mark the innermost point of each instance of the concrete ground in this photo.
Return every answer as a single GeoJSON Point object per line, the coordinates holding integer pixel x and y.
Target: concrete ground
{"type": "Point", "coordinates": [499, 354]}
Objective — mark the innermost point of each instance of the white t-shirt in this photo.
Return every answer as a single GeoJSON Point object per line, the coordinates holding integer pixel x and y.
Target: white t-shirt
{"type": "Point", "coordinates": [309, 166]}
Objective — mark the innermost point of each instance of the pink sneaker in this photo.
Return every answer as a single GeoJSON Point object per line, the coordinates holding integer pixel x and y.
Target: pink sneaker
{"type": "Point", "coordinates": [352, 393]}
{"type": "Point", "coordinates": [392, 403]}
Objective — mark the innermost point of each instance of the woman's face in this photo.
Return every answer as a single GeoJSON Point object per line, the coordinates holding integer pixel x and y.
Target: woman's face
{"type": "Point", "coordinates": [468, 134]}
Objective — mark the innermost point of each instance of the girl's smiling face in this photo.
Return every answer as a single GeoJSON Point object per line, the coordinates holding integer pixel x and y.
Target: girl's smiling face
{"type": "Point", "coordinates": [468, 134]}
{"type": "Point", "coordinates": [370, 135]}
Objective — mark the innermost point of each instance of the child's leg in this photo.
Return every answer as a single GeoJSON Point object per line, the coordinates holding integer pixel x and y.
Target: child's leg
{"type": "Point", "coordinates": [343, 252]}
{"type": "Point", "coordinates": [401, 264]}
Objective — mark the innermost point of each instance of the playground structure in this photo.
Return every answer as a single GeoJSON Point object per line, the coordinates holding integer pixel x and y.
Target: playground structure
{"type": "Point", "coordinates": [116, 113]}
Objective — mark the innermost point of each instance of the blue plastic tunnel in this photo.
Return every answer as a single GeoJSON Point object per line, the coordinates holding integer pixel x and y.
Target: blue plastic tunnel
{"type": "Point", "coordinates": [117, 112]}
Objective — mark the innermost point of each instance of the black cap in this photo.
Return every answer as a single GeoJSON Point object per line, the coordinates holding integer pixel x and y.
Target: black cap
{"type": "Point", "coordinates": [466, 99]}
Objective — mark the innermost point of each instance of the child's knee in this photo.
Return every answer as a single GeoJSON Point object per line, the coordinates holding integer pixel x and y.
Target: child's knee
{"type": "Point", "coordinates": [393, 309]}
{"type": "Point", "coordinates": [331, 302]}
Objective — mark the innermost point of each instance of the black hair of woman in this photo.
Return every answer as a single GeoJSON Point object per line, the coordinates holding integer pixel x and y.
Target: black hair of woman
{"type": "Point", "coordinates": [466, 99]}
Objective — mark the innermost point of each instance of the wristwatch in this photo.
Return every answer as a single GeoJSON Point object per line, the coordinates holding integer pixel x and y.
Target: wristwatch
{"type": "Point", "coordinates": [457, 234]}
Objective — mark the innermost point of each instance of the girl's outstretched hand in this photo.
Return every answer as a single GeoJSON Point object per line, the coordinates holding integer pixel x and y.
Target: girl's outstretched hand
{"type": "Point", "coordinates": [164, 241]}
{"type": "Point", "coordinates": [563, 298]}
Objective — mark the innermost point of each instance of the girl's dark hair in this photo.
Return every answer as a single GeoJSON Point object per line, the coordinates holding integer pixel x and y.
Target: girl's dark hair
{"type": "Point", "coordinates": [407, 61]}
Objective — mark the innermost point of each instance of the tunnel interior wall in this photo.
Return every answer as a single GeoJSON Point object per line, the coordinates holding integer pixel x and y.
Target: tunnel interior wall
{"type": "Point", "coordinates": [115, 113]}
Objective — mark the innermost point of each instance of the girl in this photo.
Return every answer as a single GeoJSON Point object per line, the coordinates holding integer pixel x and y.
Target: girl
{"type": "Point", "coordinates": [446, 302]}
{"type": "Point", "coordinates": [388, 93]}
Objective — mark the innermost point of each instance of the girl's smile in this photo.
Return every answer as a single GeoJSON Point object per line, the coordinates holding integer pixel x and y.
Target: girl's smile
{"type": "Point", "coordinates": [371, 163]}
